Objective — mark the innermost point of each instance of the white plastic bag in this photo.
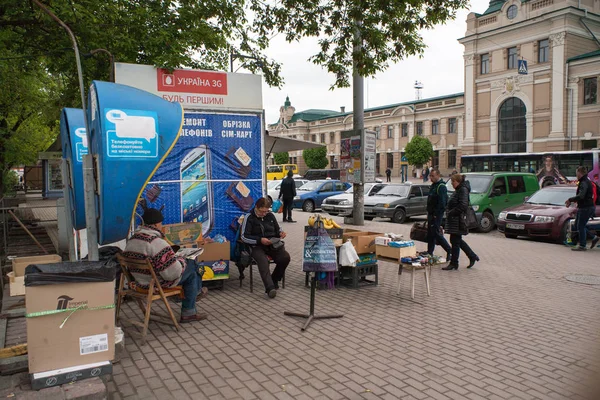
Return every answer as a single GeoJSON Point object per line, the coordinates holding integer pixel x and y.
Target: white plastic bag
{"type": "Point", "coordinates": [348, 255]}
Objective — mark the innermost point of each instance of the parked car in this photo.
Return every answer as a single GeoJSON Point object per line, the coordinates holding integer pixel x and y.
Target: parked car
{"type": "Point", "coordinates": [315, 174]}
{"type": "Point", "coordinates": [310, 196]}
{"type": "Point", "coordinates": [342, 204]}
{"type": "Point", "coordinates": [492, 192]}
{"type": "Point", "coordinates": [543, 215]}
{"type": "Point", "coordinates": [397, 202]}
{"type": "Point", "coordinates": [274, 186]}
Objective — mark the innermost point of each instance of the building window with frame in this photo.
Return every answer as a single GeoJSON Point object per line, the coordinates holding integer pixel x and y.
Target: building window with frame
{"type": "Point", "coordinates": [390, 160]}
{"type": "Point", "coordinates": [435, 160]}
{"type": "Point", "coordinates": [405, 130]}
{"type": "Point", "coordinates": [485, 64]}
{"type": "Point", "coordinates": [420, 128]}
{"type": "Point", "coordinates": [313, 138]}
{"type": "Point", "coordinates": [451, 125]}
{"type": "Point", "coordinates": [322, 138]}
{"type": "Point", "coordinates": [378, 132]}
{"type": "Point", "coordinates": [435, 127]}
{"type": "Point", "coordinates": [543, 51]}
{"type": "Point", "coordinates": [590, 90]}
{"type": "Point", "coordinates": [390, 130]}
{"type": "Point", "coordinates": [512, 58]}
{"type": "Point", "coordinates": [451, 158]}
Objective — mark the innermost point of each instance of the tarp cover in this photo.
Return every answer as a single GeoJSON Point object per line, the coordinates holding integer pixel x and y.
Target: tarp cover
{"type": "Point", "coordinates": [69, 272]}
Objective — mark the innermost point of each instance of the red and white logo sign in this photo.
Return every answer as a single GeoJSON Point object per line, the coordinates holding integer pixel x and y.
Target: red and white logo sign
{"type": "Point", "coordinates": [189, 81]}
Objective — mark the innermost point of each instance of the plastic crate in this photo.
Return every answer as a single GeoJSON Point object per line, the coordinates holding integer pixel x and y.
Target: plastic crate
{"type": "Point", "coordinates": [355, 277]}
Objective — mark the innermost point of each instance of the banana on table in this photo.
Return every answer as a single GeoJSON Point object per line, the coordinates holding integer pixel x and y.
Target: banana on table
{"type": "Point", "coordinates": [328, 223]}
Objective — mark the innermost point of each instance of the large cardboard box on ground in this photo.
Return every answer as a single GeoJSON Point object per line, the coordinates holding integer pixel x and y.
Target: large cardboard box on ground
{"type": "Point", "coordinates": [363, 242]}
{"type": "Point", "coordinates": [88, 335]}
{"type": "Point", "coordinates": [216, 257]}
{"type": "Point", "coordinates": [17, 276]}
{"type": "Point", "coordinates": [396, 253]}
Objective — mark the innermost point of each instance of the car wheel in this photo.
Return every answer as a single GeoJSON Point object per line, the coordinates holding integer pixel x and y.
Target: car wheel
{"type": "Point", "coordinates": [510, 236]}
{"type": "Point", "coordinates": [487, 223]}
{"type": "Point", "coordinates": [399, 216]}
{"type": "Point", "coordinates": [564, 231]}
{"type": "Point", "coordinates": [369, 218]}
{"type": "Point", "coordinates": [308, 206]}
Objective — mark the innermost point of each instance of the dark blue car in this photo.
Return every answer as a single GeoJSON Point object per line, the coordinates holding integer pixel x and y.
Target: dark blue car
{"type": "Point", "coordinates": [310, 196]}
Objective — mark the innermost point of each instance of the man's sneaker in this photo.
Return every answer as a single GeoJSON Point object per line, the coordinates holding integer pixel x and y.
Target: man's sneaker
{"type": "Point", "coordinates": [578, 248]}
{"type": "Point", "coordinates": [192, 318]}
{"type": "Point", "coordinates": [272, 293]}
{"type": "Point", "coordinates": [595, 242]}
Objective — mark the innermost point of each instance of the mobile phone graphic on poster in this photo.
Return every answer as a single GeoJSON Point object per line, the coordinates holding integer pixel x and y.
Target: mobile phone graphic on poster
{"type": "Point", "coordinates": [196, 191]}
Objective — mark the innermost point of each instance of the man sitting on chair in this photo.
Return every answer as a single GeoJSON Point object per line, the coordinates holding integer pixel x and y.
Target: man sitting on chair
{"type": "Point", "coordinates": [149, 241]}
{"type": "Point", "coordinates": [261, 231]}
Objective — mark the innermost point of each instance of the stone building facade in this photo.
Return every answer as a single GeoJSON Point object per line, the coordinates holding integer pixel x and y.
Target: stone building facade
{"type": "Point", "coordinates": [553, 107]}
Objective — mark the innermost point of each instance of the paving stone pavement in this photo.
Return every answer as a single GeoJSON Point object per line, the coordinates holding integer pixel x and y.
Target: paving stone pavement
{"type": "Point", "coordinates": [510, 328]}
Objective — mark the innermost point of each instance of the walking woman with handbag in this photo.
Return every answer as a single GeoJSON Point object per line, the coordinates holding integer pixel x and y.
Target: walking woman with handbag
{"type": "Point", "coordinates": [456, 222]}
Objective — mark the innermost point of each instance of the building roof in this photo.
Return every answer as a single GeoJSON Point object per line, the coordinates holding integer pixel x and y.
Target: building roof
{"type": "Point", "coordinates": [585, 55]}
{"type": "Point", "coordinates": [312, 115]}
{"type": "Point", "coordinates": [495, 5]}
{"type": "Point", "coordinates": [316, 115]}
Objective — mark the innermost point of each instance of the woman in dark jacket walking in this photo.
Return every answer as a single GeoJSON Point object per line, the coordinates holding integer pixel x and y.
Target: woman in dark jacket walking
{"type": "Point", "coordinates": [456, 221]}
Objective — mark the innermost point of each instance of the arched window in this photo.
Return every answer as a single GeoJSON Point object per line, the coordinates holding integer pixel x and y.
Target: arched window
{"type": "Point", "coordinates": [512, 126]}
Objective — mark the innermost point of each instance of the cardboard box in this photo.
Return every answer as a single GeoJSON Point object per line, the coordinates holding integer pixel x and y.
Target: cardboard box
{"type": "Point", "coordinates": [215, 251]}
{"type": "Point", "coordinates": [87, 336]}
{"type": "Point", "coordinates": [220, 269]}
{"type": "Point", "coordinates": [57, 377]}
{"type": "Point", "coordinates": [396, 253]}
{"type": "Point", "coordinates": [17, 276]}
{"type": "Point", "coordinates": [363, 242]}
{"type": "Point", "coordinates": [382, 240]}
{"type": "Point", "coordinates": [187, 232]}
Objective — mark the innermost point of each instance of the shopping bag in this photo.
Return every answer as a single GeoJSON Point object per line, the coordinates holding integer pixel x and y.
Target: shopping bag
{"type": "Point", "coordinates": [471, 219]}
{"type": "Point", "coordinates": [418, 232]}
{"type": "Point", "coordinates": [348, 255]}
{"type": "Point", "coordinates": [319, 251]}
{"type": "Point", "coordinates": [276, 207]}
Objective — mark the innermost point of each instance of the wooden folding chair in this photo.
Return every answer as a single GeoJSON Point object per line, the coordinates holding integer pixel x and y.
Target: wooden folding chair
{"type": "Point", "coordinates": [154, 292]}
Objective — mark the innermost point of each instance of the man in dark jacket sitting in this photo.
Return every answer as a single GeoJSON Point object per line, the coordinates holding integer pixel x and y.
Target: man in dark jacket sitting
{"type": "Point", "coordinates": [586, 209]}
{"type": "Point", "coordinates": [288, 192]}
{"type": "Point", "coordinates": [261, 231]}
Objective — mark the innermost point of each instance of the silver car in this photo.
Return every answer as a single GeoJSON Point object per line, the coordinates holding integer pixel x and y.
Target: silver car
{"type": "Point", "coordinates": [341, 204]}
{"type": "Point", "coordinates": [397, 202]}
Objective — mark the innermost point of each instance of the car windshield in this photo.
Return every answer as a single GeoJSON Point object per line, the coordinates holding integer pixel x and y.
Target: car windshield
{"type": "Point", "coordinates": [310, 186]}
{"type": "Point", "coordinates": [479, 183]}
{"type": "Point", "coordinates": [394, 190]}
{"type": "Point", "coordinates": [552, 196]}
{"type": "Point", "coordinates": [272, 184]}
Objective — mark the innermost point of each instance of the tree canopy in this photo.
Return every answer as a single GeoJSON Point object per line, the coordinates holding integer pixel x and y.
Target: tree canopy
{"type": "Point", "coordinates": [315, 158]}
{"type": "Point", "coordinates": [388, 30]}
{"type": "Point", "coordinates": [281, 158]}
{"type": "Point", "coordinates": [418, 151]}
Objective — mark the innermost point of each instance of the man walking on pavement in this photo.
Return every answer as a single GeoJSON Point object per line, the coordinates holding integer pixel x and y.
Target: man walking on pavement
{"type": "Point", "coordinates": [288, 191]}
{"type": "Point", "coordinates": [388, 174]}
{"type": "Point", "coordinates": [586, 208]}
{"type": "Point", "coordinates": [436, 205]}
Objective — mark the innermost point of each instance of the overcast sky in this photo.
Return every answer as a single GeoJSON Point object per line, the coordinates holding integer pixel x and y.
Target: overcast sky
{"type": "Point", "coordinates": [440, 70]}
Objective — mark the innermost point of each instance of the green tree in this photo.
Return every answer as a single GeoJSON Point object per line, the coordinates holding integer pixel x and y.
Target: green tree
{"type": "Point", "coordinates": [281, 158]}
{"type": "Point", "coordinates": [389, 30]}
{"type": "Point", "coordinates": [315, 158]}
{"type": "Point", "coordinates": [418, 151]}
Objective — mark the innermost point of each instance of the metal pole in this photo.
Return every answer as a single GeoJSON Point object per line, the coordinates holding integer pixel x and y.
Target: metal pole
{"type": "Point", "coordinates": [88, 164]}
{"type": "Point", "coordinates": [358, 105]}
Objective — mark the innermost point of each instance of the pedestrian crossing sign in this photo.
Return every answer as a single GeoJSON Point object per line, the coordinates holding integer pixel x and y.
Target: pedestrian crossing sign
{"type": "Point", "coordinates": [522, 66]}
